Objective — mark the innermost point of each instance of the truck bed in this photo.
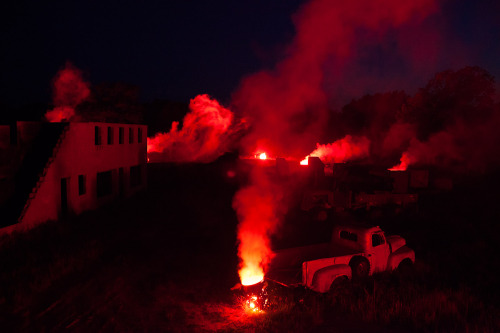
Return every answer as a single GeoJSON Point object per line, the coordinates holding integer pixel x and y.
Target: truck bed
{"type": "Point", "coordinates": [286, 265]}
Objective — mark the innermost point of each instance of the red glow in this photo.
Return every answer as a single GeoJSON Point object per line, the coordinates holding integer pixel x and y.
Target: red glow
{"type": "Point", "coordinates": [288, 104]}
{"type": "Point", "coordinates": [69, 90]}
{"type": "Point", "coordinates": [60, 113]}
{"type": "Point", "coordinates": [342, 150]}
{"type": "Point", "coordinates": [204, 136]}
{"type": "Point", "coordinates": [440, 148]}
{"type": "Point", "coordinates": [263, 156]}
{"type": "Point", "coordinates": [252, 304]}
{"type": "Point", "coordinates": [256, 206]}
{"type": "Point", "coordinates": [405, 162]}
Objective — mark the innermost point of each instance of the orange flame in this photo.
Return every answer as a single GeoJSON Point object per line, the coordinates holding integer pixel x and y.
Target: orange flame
{"type": "Point", "coordinates": [252, 273]}
{"type": "Point", "coordinates": [256, 206]}
{"type": "Point", "coordinates": [263, 156]}
{"type": "Point", "coordinates": [305, 161]}
{"type": "Point", "coordinates": [252, 304]}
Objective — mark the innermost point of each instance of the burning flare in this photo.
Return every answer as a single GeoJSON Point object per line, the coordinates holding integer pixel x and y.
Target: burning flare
{"type": "Point", "coordinates": [348, 148]}
{"type": "Point", "coordinates": [257, 208]}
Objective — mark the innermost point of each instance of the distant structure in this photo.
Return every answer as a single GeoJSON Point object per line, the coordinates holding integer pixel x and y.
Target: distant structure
{"type": "Point", "coordinates": [52, 170]}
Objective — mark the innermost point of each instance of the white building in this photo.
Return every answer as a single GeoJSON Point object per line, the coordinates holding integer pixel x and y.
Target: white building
{"type": "Point", "coordinates": [50, 170]}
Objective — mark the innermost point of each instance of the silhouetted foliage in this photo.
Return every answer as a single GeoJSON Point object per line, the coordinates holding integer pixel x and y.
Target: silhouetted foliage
{"type": "Point", "coordinates": [112, 102]}
{"type": "Point", "coordinates": [372, 115]}
{"type": "Point", "coordinates": [160, 114]}
{"type": "Point", "coordinates": [466, 94]}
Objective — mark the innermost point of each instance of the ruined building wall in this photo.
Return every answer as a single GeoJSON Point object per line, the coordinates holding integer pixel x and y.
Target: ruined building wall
{"type": "Point", "coordinates": [90, 169]}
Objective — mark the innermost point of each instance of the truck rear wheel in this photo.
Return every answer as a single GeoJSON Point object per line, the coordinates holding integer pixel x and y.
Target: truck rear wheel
{"type": "Point", "coordinates": [360, 267]}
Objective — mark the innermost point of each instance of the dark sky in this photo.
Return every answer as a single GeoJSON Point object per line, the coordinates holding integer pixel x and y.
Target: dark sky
{"type": "Point", "coordinates": [177, 49]}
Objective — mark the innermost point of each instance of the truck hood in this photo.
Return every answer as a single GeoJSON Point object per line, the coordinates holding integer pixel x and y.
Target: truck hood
{"type": "Point", "coordinates": [396, 242]}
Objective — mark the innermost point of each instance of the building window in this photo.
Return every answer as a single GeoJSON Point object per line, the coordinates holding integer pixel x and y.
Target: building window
{"type": "Point", "coordinates": [139, 135]}
{"type": "Point", "coordinates": [82, 186]}
{"type": "Point", "coordinates": [135, 176]}
{"type": "Point", "coordinates": [110, 135]}
{"type": "Point", "coordinates": [104, 183]}
{"type": "Point", "coordinates": [130, 135]}
{"type": "Point", "coordinates": [97, 136]}
{"type": "Point", "coordinates": [121, 134]}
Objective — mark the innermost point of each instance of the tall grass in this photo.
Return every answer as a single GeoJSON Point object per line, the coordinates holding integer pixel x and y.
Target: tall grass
{"type": "Point", "coordinates": [157, 264]}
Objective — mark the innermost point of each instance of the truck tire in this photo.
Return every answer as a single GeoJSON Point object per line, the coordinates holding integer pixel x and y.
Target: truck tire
{"type": "Point", "coordinates": [406, 268]}
{"type": "Point", "coordinates": [338, 284]}
{"type": "Point", "coordinates": [360, 268]}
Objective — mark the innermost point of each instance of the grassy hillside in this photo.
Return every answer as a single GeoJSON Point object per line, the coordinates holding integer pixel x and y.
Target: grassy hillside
{"type": "Point", "coordinates": [166, 260]}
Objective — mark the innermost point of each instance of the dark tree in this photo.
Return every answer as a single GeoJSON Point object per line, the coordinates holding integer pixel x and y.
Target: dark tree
{"type": "Point", "coordinates": [466, 95]}
{"type": "Point", "coordinates": [372, 115]}
{"type": "Point", "coordinates": [112, 102]}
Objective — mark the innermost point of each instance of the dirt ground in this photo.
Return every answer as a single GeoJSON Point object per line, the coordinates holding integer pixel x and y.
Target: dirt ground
{"type": "Point", "coordinates": [166, 260]}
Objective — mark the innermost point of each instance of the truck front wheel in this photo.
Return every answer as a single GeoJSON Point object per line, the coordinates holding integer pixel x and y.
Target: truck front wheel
{"type": "Point", "coordinates": [339, 283]}
{"type": "Point", "coordinates": [360, 267]}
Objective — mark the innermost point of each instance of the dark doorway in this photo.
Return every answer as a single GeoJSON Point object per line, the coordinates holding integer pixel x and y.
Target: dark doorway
{"type": "Point", "coordinates": [64, 196]}
{"type": "Point", "coordinates": [121, 182]}
{"type": "Point", "coordinates": [104, 183]}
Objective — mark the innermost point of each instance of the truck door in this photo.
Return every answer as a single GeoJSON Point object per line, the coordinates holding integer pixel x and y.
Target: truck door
{"type": "Point", "coordinates": [379, 252]}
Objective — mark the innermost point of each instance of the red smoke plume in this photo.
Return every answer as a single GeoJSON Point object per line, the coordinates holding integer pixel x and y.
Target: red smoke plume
{"type": "Point", "coordinates": [206, 134]}
{"type": "Point", "coordinates": [458, 148]}
{"type": "Point", "coordinates": [288, 105]}
{"type": "Point", "coordinates": [341, 150]}
{"type": "Point", "coordinates": [441, 148]}
{"type": "Point", "coordinates": [455, 122]}
{"type": "Point", "coordinates": [69, 90]}
{"type": "Point", "coordinates": [259, 208]}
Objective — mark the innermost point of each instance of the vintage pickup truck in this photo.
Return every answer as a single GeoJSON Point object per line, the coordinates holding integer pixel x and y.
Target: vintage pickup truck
{"type": "Point", "coordinates": [355, 251]}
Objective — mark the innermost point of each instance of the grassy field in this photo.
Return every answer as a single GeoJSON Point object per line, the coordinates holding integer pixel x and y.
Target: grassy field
{"type": "Point", "coordinates": [166, 260]}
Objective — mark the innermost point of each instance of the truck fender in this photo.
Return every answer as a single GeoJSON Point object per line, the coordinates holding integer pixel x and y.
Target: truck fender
{"type": "Point", "coordinates": [396, 257]}
{"type": "Point", "coordinates": [323, 278]}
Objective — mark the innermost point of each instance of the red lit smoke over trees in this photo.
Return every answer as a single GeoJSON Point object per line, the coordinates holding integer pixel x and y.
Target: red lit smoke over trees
{"type": "Point", "coordinates": [74, 99]}
{"type": "Point", "coordinates": [291, 110]}
{"type": "Point", "coordinates": [69, 90]}
{"type": "Point", "coordinates": [288, 110]}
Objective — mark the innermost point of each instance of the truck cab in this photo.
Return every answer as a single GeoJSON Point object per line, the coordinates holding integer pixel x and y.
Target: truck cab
{"type": "Point", "coordinates": [369, 241]}
{"type": "Point", "coordinates": [355, 251]}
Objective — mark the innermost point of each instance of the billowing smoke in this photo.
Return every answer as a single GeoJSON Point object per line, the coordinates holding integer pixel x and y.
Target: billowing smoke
{"type": "Point", "coordinates": [259, 207]}
{"type": "Point", "coordinates": [343, 150]}
{"type": "Point", "coordinates": [288, 106]}
{"type": "Point", "coordinates": [454, 120]}
{"type": "Point", "coordinates": [69, 90]}
{"type": "Point", "coordinates": [207, 132]}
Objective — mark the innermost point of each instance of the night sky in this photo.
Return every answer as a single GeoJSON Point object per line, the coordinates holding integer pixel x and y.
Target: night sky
{"type": "Point", "coordinates": [177, 49]}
